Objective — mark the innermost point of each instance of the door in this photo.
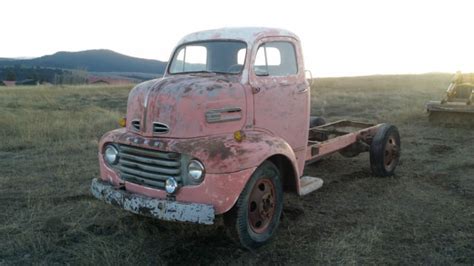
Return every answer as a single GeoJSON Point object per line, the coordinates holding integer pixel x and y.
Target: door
{"type": "Point", "coordinates": [281, 92]}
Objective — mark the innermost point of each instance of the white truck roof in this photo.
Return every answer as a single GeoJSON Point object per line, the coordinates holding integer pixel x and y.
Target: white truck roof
{"type": "Point", "coordinates": [246, 34]}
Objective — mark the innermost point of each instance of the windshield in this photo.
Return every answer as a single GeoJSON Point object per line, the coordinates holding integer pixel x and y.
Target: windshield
{"type": "Point", "coordinates": [209, 56]}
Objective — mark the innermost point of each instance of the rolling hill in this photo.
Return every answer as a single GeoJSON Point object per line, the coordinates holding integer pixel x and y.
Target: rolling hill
{"type": "Point", "coordinates": [91, 61]}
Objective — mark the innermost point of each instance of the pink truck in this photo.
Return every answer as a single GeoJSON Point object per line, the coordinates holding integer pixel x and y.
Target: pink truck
{"type": "Point", "coordinates": [226, 131]}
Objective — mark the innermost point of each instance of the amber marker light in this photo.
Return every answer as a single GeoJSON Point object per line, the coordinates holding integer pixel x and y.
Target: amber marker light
{"type": "Point", "coordinates": [122, 121]}
{"type": "Point", "coordinates": [239, 135]}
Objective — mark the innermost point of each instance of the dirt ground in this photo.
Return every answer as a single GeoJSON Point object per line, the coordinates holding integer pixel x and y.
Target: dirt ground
{"type": "Point", "coordinates": [422, 215]}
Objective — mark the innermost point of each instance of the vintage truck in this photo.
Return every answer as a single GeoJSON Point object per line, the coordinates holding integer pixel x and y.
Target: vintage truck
{"type": "Point", "coordinates": [227, 130]}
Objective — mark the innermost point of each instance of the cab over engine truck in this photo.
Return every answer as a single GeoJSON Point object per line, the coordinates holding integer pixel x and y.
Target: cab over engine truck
{"type": "Point", "coordinates": [226, 131]}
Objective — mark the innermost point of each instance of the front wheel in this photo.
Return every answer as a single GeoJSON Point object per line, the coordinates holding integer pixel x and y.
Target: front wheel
{"type": "Point", "coordinates": [385, 151]}
{"type": "Point", "coordinates": [256, 215]}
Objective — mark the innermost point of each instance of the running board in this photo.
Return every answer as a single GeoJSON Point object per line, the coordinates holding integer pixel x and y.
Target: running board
{"type": "Point", "coordinates": [309, 184]}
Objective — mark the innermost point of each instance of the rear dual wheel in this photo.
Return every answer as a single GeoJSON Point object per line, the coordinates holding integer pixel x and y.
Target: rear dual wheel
{"type": "Point", "coordinates": [256, 215]}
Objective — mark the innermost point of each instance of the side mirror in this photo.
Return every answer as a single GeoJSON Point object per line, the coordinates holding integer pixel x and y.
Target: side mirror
{"type": "Point", "coordinates": [309, 77]}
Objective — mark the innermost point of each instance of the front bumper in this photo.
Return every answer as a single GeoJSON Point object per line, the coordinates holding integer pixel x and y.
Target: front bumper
{"type": "Point", "coordinates": [156, 208]}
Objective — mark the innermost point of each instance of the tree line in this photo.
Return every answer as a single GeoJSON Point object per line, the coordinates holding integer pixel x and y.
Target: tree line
{"type": "Point", "coordinates": [43, 75]}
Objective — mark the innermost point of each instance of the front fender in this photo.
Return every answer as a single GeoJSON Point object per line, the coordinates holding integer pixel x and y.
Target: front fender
{"type": "Point", "coordinates": [223, 154]}
{"type": "Point", "coordinates": [229, 163]}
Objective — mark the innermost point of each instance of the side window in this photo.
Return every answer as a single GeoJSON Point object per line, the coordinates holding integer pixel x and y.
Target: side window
{"type": "Point", "coordinates": [276, 59]}
{"type": "Point", "coordinates": [241, 56]}
{"type": "Point", "coordinates": [273, 56]}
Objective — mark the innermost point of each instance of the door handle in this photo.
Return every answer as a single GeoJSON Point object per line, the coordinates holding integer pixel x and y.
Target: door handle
{"type": "Point", "coordinates": [285, 83]}
{"type": "Point", "coordinates": [301, 89]}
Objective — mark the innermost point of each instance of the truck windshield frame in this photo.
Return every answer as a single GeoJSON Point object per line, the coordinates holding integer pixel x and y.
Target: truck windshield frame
{"type": "Point", "coordinates": [221, 57]}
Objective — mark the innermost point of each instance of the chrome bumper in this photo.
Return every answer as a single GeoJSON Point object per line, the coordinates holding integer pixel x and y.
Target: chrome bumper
{"type": "Point", "coordinates": [156, 208]}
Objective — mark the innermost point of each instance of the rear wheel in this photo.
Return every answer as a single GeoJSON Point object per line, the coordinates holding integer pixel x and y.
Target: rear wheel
{"type": "Point", "coordinates": [385, 151]}
{"type": "Point", "coordinates": [256, 215]}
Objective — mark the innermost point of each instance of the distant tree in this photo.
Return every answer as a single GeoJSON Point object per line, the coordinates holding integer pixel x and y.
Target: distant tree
{"type": "Point", "coordinates": [57, 79]}
{"type": "Point", "coordinates": [10, 74]}
{"type": "Point", "coordinates": [32, 74]}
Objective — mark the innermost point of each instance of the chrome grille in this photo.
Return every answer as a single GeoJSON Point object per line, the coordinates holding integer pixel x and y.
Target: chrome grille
{"type": "Point", "coordinates": [136, 125]}
{"type": "Point", "coordinates": [160, 128]}
{"type": "Point", "coordinates": [148, 167]}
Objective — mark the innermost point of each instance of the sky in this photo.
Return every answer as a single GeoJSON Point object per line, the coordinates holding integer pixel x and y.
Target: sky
{"type": "Point", "coordinates": [339, 38]}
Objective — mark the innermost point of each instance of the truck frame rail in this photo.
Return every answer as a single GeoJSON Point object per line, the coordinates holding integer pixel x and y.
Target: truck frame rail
{"type": "Point", "coordinates": [348, 137]}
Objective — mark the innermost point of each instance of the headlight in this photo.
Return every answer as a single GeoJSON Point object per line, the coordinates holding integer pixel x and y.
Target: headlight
{"type": "Point", "coordinates": [195, 170]}
{"type": "Point", "coordinates": [171, 185]}
{"type": "Point", "coordinates": [111, 155]}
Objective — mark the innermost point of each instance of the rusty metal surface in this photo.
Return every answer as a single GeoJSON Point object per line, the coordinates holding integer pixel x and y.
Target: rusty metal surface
{"type": "Point", "coordinates": [156, 208]}
{"type": "Point", "coordinates": [319, 150]}
{"type": "Point", "coordinates": [282, 103]}
{"type": "Point", "coordinates": [218, 190]}
{"type": "Point", "coordinates": [181, 102]}
{"type": "Point", "coordinates": [219, 153]}
{"type": "Point", "coordinates": [229, 164]}
{"type": "Point", "coordinates": [187, 104]}
{"type": "Point", "coordinates": [201, 112]}
{"type": "Point", "coordinates": [247, 34]}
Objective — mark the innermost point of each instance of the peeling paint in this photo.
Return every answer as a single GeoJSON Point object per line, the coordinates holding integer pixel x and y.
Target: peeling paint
{"type": "Point", "coordinates": [182, 101]}
{"type": "Point", "coordinates": [271, 111]}
{"type": "Point", "coordinates": [156, 208]}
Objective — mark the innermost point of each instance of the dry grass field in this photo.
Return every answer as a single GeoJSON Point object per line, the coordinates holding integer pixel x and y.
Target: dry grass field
{"type": "Point", "coordinates": [422, 215]}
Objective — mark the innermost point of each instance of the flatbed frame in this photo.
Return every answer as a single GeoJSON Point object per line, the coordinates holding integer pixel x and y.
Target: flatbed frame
{"type": "Point", "coordinates": [343, 135]}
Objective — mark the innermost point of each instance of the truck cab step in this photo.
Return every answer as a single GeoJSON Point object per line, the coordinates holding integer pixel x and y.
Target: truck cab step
{"type": "Point", "coordinates": [309, 184]}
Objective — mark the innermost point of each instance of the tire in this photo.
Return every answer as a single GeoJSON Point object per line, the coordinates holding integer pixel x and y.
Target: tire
{"type": "Point", "coordinates": [385, 151]}
{"type": "Point", "coordinates": [255, 217]}
{"type": "Point", "coordinates": [315, 121]}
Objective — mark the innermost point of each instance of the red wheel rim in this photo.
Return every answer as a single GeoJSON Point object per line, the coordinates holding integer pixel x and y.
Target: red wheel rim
{"type": "Point", "coordinates": [261, 206]}
{"type": "Point", "coordinates": [391, 153]}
